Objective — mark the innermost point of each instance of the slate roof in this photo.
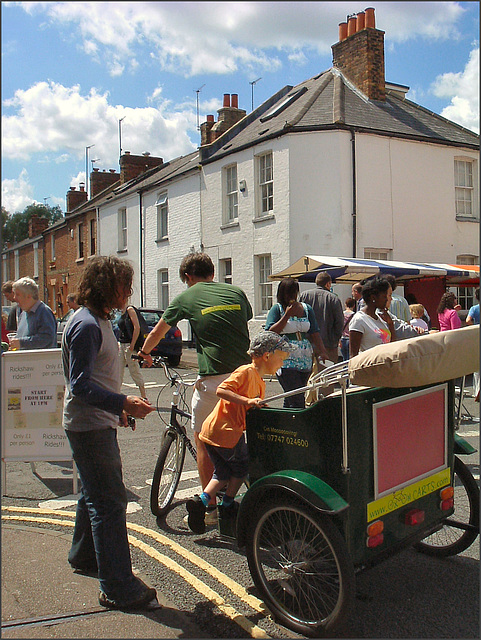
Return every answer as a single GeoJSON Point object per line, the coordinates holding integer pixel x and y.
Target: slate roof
{"type": "Point", "coordinates": [331, 101]}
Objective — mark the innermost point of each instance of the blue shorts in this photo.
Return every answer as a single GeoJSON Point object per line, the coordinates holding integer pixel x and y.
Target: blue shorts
{"type": "Point", "coordinates": [229, 463]}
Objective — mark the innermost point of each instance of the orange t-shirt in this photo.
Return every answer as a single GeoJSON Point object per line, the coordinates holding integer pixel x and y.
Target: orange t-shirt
{"type": "Point", "coordinates": [226, 423]}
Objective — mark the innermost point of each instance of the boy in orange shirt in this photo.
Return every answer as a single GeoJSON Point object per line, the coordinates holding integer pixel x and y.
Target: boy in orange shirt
{"type": "Point", "coordinates": [223, 430]}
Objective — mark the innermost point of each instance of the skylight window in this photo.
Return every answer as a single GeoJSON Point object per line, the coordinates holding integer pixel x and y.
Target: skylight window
{"type": "Point", "coordinates": [283, 104]}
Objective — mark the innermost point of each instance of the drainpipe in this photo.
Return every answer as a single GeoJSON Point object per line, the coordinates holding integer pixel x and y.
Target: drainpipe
{"type": "Point", "coordinates": [354, 198]}
{"type": "Point", "coordinates": [141, 253]}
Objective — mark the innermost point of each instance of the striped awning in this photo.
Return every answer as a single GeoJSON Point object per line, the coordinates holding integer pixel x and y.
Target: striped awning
{"type": "Point", "coordinates": [350, 270]}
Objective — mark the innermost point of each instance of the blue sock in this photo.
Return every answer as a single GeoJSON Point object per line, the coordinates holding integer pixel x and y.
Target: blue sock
{"type": "Point", "coordinates": [227, 501]}
{"type": "Point", "coordinates": [205, 497]}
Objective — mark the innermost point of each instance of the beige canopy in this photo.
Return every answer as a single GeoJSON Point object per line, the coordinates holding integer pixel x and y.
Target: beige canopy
{"type": "Point", "coordinates": [415, 362]}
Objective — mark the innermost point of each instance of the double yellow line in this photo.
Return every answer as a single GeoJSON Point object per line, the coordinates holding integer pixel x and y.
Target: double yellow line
{"type": "Point", "coordinates": [229, 611]}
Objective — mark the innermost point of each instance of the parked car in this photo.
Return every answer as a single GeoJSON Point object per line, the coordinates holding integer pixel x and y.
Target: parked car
{"type": "Point", "coordinates": [169, 347]}
{"type": "Point", "coordinates": [61, 326]}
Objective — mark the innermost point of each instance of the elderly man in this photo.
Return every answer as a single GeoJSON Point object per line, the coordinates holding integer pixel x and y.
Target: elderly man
{"type": "Point", "coordinates": [37, 327]}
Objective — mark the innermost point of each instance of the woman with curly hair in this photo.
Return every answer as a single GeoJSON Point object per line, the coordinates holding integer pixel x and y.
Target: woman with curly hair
{"type": "Point", "coordinates": [447, 315]}
{"type": "Point", "coordinates": [93, 409]}
{"type": "Point", "coordinates": [373, 325]}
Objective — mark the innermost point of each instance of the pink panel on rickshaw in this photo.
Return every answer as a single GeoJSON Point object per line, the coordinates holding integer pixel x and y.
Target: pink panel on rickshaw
{"type": "Point", "coordinates": [410, 439]}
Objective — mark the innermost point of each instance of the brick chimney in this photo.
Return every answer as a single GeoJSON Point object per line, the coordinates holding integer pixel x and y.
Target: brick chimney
{"type": "Point", "coordinates": [36, 226]}
{"type": "Point", "coordinates": [100, 180]}
{"type": "Point", "coordinates": [76, 198]}
{"type": "Point", "coordinates": [133, 166]}
{"type": "Point", "coordinates": [228, 116]}
{"type": "Point", "coordinates": [359, 54]}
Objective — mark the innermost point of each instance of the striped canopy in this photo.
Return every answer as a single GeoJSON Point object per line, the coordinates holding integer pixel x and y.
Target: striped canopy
{"type": "Point", "coordinates": [350, 270]}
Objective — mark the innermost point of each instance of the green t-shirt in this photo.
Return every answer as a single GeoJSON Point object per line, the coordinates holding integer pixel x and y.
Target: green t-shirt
{"type": "Point", "coordinates": [218, 314]}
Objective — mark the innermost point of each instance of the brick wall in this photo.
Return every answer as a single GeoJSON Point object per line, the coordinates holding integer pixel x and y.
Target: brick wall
{"type": "Point", "coordinates": [132, 166]}
{"type": "Point", "coordinates": [361, 58]}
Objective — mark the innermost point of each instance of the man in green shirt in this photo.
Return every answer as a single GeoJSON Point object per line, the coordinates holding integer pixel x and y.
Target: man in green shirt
{"type": "Point", "coordinates": [218, 314]}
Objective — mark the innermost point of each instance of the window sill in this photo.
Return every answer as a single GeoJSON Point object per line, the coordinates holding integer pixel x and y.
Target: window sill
{"type": "Point", "coordinates": [270, 216]}
{"type": "Point", "coordinates": [230, 225]}
{"type": "Point", "coordinates": [122, 250]}
{"type": "Point", "coordinates": [467, 219]}
{"type": "Point", "coordinates": [79, 260]}
{"type": "Point", "coordinates": [160, 240]}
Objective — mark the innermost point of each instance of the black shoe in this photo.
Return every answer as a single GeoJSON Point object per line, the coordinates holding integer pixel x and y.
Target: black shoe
{"type": "Point", "coordinates": [142, 601]}
{"type": "Point", "coordinates": [196, 510]}
{"type": "Point", "coordinates": [90, 570]}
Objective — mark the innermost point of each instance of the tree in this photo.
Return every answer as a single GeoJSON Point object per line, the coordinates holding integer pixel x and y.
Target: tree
{"type": "Point", "coordinates": [15, 227]}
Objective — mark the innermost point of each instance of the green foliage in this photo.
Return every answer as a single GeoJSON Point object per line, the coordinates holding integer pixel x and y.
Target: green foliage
{"type": "Point", "coordinates": [15, 227]}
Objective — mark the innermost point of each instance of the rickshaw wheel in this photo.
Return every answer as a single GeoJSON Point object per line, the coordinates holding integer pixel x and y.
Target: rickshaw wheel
{"type": "Point", "coordinates": [300, 564]}
{"type": "Point", "coordinates": [167, 472]}
{"type": "Point", "coordinates": [451, 539]}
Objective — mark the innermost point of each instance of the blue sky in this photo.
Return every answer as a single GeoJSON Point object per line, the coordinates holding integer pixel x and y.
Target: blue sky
{"type": "Point", "coordinates": [71, 70]}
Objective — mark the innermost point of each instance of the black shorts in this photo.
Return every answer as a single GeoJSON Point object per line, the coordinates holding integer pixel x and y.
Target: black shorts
{"type": "Point", "coordinates": [229, 463]}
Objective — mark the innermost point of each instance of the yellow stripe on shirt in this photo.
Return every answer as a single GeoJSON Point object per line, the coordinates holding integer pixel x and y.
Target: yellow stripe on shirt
{"type": "Point", "coordinates": [221, 307]}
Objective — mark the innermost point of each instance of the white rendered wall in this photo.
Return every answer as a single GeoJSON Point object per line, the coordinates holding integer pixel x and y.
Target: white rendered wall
{"type": "Point", "coordinates": [405, 198]}
{"type": "Point", "coordinates": [108, 245]}
{"type": "Point", "coordinates": [320, 195]}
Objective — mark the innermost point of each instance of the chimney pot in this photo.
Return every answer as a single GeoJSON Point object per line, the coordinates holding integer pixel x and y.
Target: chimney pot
{"type": "Point", "coordinates": [126, 153]}
{"type": "Point", "coordinates": [112, 171]}
{"type": "Point", "coordinates": [351, 25]}
{"type": "Point", "coordinates": [342, 31]}
{"type": "Point", "coordinates": [370, 18]}
{"type": "Point", "coordinates": [235, 100]}
{"type": "Point", "coordinates": [72, 188]}
{"type": "Point", "coordinates": [361, 21]}
{"type": "Point", "coordinates": [146, 153]}
{"type": "Point", "coordinates": [226, 100]}
{"type": "Point", "coordinates": [96, 169]}
{"type": "Point", "coordinates": [210, 118]}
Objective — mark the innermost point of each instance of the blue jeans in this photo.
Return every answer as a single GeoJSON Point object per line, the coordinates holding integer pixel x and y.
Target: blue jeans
{"type": "Point", "coordinates": [100, 532]}
{"type": "Point", "coordinates": [345, 348]}
{"type": "Point", "coordinates": [291, 379]}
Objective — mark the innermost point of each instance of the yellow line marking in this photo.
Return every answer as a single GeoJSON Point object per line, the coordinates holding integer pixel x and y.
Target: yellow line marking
{"type": "Point", "coordinates": [233, 586]}
{"type": "Point", "coordinates": [203, 589]}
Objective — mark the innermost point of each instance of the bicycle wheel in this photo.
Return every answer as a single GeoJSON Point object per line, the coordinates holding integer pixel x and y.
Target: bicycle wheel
{"type": "Point", "coordinates": [300, 564]}
{"type": "Point", "coordinates": [451, 538]}
{"type": "Point", "coordinates": [167, 472]}
{"type": "Point", "coordinates": [164, 401]}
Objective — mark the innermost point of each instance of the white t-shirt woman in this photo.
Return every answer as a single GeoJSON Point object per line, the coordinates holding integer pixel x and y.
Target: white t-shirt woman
{"type": "Point", "coordinates": [374, 332]}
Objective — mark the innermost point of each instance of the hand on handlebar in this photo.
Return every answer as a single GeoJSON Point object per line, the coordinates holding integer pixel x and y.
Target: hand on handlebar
{"type": "Point", "coordinates": [143, 358]}
{"type": "Point", "coordinates": [137, 407]}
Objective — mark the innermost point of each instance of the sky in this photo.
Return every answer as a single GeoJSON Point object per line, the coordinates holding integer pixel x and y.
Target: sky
{"type": "Point", "coordinates": [72, 70]}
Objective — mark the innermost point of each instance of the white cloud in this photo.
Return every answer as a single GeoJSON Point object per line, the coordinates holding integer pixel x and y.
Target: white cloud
{"type": "Point", "coordinates": [463, 90]}
{"type": "Point", "coordinates": [51, 118]}
{"type": "Point", "coordinates": [17, 193]}
{"type": "Point", "coordinates": [225, 37]}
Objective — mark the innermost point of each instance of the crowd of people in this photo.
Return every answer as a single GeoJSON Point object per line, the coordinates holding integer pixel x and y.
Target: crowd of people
{"type": "Point", "coordinates": [303, 332]}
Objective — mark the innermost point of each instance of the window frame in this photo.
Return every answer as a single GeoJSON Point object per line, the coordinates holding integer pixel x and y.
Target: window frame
{"type": "Point", "coordinates": [35, 259]}
{"type": "Point", "coordinates": [92, 237]}
{"type": "Point", "coordinates": [122, 229]}
{"type": "Point", "coordinates": [225, 273]}
{"type": "Point", "coordinates": [382, 254]}
{"type": "Point", "coordinates": [163, 294]}
{"type": "Point", "coordinates": [80, 241]}
{"type": "Point", "coordinates": [265, 185]}
{"type": "Point", "coordinates": [231, 195]}
{"type": "Point", "coordinates": [264, 296]}
{"type": "Point", "coordinates": [460, 203]}
{"type": "Point", "coordinates": [162, 213]}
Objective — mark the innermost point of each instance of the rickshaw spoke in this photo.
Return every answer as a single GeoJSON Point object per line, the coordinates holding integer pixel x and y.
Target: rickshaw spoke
{"type": "Point", "coordinates": [296, 565]}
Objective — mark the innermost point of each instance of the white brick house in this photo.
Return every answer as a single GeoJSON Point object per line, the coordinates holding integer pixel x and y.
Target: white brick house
{"type": "Point", "coordinates": [342, 164]}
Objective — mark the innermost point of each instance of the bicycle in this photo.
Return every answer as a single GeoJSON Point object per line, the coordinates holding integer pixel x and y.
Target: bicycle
{"type": "Point", "coordinates": [175, 442]}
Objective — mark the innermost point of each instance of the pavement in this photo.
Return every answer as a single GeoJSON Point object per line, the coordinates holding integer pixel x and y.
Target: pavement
{"type": "Point", "coordinates": [34, 605]}
{"type": "Point", "coordinates": [43, 598]}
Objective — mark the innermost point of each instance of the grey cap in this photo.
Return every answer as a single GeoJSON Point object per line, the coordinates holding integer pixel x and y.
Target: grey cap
{"type": "Point", "coordinates": [268, 342]}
